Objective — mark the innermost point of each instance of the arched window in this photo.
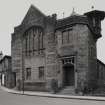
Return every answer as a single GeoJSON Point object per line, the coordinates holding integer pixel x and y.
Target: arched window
{"type": "Point", "coordinates": [34, 43]}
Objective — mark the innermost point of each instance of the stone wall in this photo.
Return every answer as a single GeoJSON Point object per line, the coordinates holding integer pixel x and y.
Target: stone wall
{"type": "Point", "coordinates": [82, 54]}
{"type": "Point", "coordinates": [78, 47]}
{"type": "Point", "coordinates": [51, 58]}
{"type": "Point", "coordinates": [16, 53]}
{"type": "Point", "coordinates": [82, 46]}
{"type": "Point", "coordinates": [34, 63]}
{"type": "Point", "coordinates": [92, 60]}
{"type": "Point", "coordinates": [32, 18]}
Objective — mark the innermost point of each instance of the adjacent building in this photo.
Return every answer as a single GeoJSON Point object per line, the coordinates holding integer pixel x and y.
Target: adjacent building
{"type": "Point", "coordinates": [7, 76]}
{"type": "Point", "coordinates": [45, 49]}
{"type": "Point", "coordinates": [100, 73]}
{"type": "Point", "coordinates": [1, 56]}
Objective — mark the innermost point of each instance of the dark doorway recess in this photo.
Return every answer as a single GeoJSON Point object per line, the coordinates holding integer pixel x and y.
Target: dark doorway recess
{"type": "Point", "coordinates": [69, 75]}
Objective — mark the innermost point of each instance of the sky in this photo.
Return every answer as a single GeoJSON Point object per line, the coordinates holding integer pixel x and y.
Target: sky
{"type": "Point", "coordinates": [12, 13]}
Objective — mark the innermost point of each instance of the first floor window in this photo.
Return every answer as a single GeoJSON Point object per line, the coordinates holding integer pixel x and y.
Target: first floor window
{"type": "Point", "coordinates": [65, 37]}
{"type": "Point", "coordinates": [34, 41]}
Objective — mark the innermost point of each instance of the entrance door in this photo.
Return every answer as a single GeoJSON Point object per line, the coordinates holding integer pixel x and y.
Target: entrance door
{"type": "Point", "coordinates": [69, 75]}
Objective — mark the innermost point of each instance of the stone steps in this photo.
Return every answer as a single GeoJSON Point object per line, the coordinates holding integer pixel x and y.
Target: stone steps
{"type": "Point", "coordinates": [68, 90]}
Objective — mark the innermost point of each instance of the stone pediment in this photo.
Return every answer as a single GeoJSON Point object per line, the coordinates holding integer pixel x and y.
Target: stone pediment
{"type": "Point", "coordinates": [33, 14]}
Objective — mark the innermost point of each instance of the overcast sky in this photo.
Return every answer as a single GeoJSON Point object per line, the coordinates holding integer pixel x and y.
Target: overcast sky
{"type": "Point", "coordinates": [12, 13]}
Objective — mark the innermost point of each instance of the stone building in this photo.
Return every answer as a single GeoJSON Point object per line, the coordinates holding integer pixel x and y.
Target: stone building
{"type": "Point", "coordinates": [46, 49]}
{"type": "Point", "coordinates": [1, 56]}
{"type": "Point", "coordinates": [100, 73]}
{"type": "Point", "coordinates": [7, 76]}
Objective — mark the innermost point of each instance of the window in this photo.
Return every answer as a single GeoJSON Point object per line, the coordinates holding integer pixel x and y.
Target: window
{"type": "Point", "coordinates": [40, 42]}
{"type": "Point", "coordinates": [41, 72]}
{"type": "Point", "coordinates": [35, 46]}
{"type": "Point", "coordinates": [34, 41]}
{"type": "Point", "coordinates": [28, 73]}
{"type": "Point", "coordinates": [71, 36]}
{"type": "Point", "coordinates": [67, 36]}
{"type": "Point", "coordinates": [26, 46]}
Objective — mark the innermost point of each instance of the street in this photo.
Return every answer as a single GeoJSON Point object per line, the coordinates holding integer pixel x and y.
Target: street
{"type": "Point", "coordinates": [16, 99]}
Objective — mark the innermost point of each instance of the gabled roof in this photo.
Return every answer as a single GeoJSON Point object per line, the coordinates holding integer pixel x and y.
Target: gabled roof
{"type": "Point", "coordinates": [33, 12]}
{"type": "Point", "coordinates": [6, 56]}
{"type": "Point", "coordinates": [100, 62]}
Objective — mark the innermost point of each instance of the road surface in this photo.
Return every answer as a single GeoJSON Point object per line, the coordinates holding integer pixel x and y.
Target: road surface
{"type": "Point", "coordinates": [16, 99]}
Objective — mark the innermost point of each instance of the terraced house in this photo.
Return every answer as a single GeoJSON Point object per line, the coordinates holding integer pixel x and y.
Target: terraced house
{"type": "Point", "coordinates": [48, 52]}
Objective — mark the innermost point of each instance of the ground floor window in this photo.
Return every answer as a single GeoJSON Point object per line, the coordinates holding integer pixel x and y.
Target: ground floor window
{"type": "Point", "coordinates": [28, 73]}
{"type": "Point", "coordinates": [41, 72]}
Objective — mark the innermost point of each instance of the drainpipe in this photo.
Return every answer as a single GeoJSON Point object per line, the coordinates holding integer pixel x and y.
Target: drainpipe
{"type": "Point", "coordinates": [22, 65]}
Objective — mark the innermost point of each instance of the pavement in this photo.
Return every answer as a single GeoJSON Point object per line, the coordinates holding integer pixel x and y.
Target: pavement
{"type": "Point", "coordinates": [50, 95]}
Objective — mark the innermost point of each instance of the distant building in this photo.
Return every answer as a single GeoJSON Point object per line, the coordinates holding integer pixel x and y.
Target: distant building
{"type": "Point", "coordinates": [100, 73]}
{"type": "Point", "coordinates": [46, 49]}
{"type": "Point", "coordinates": [1, 56]}
{"type": "Point", "coordinates": [7, 76]}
